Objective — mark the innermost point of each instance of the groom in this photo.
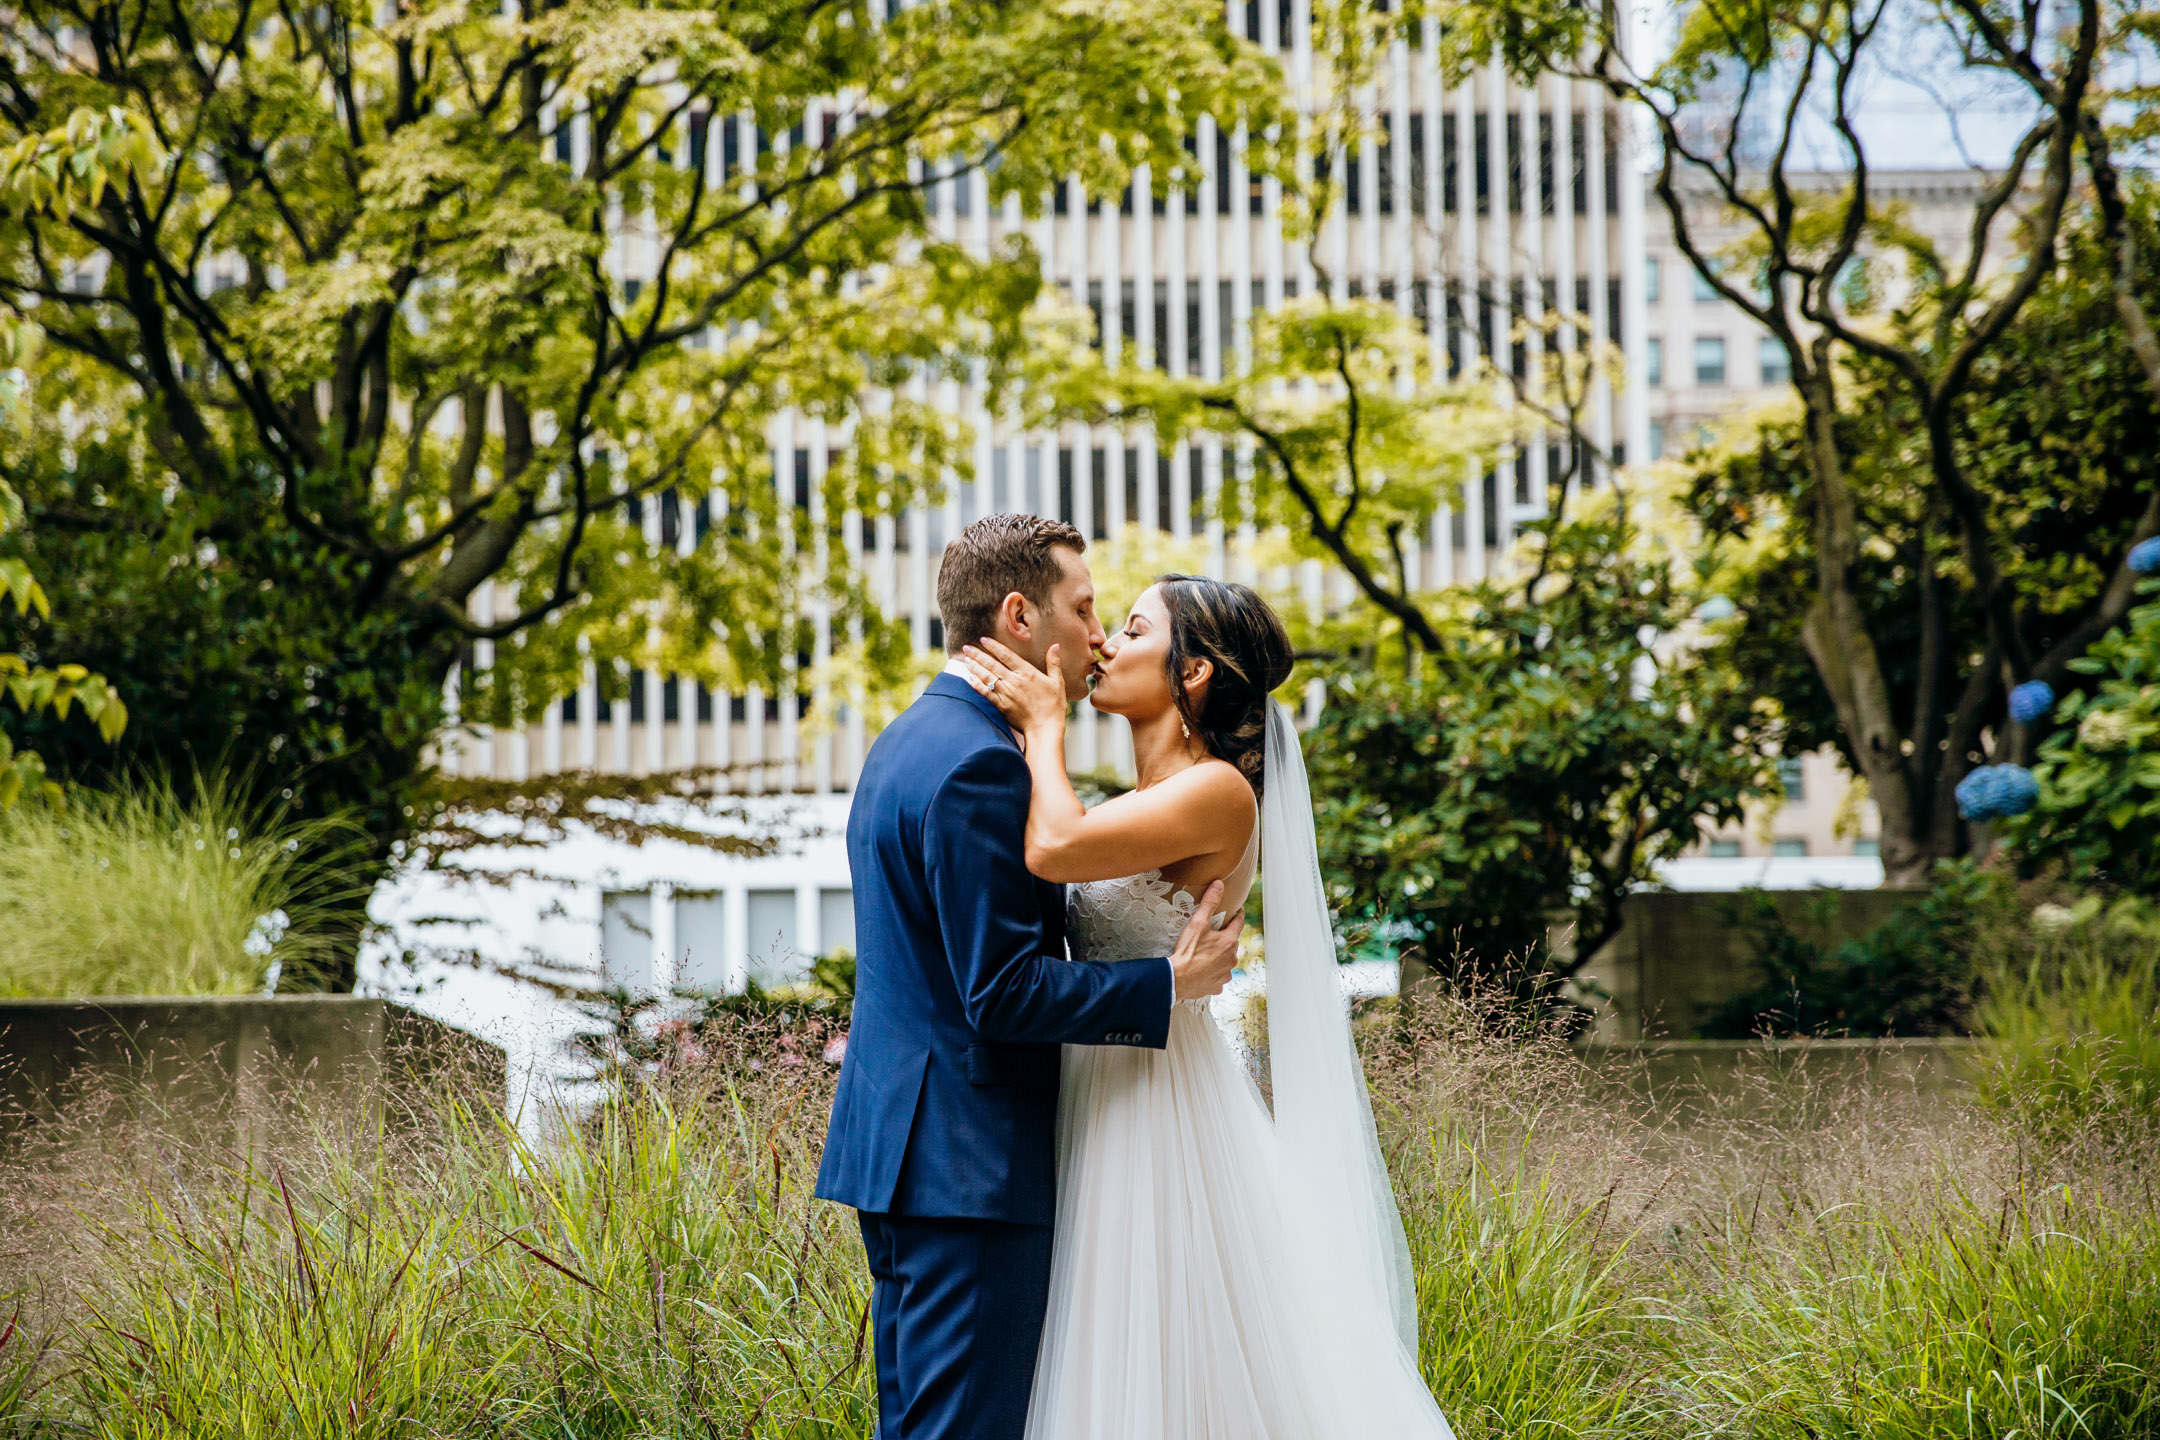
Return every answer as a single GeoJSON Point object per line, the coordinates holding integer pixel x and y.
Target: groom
{"type": "Point", "coordinates": [943, 1130]}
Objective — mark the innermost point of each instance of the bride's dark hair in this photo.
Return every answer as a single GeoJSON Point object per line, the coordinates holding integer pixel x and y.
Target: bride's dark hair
{"type": "Point", "coordinates": [1243, 638]}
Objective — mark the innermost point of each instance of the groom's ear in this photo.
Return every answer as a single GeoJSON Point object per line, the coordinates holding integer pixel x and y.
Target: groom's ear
{"type": "Point", "coordinates": [1013, 611]}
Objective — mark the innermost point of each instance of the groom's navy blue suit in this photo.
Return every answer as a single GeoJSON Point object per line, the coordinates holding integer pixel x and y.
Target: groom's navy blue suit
{"type": "Point", "coordinates": [943, 1131]}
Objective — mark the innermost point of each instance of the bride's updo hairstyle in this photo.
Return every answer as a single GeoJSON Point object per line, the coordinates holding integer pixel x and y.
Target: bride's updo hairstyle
{"type": "Point", "coordinates": [1243, 638]}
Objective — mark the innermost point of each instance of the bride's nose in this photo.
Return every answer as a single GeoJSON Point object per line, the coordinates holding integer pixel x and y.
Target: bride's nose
{"type": "Point", "coordinates": [1109, 647]}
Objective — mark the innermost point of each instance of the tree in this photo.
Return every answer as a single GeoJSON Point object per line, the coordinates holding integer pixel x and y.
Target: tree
{"type": "Point", "coordinates": [439, 325]}
{"type": "Point", "coordinates": [59, 168]}
{"type": "Point", "coordinates": [1543, 759]}
{"type": "Point", "coordinates": [1485, 758]}
{"type": "Point", "coordinates": [2055, 439]}
{"type": "Point", "coordinates": [1735, 106]}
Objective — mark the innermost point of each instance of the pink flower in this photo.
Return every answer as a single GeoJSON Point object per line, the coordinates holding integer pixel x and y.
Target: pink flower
{"type": "Point", "coordinates": [836, 1049]}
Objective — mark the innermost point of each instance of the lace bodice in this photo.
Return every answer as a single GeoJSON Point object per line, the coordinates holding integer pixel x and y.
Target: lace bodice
{"type": "Point", "coordinates": [1126, 919]}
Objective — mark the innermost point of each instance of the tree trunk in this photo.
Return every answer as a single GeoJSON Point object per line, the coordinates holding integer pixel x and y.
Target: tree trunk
{"type": "Point", "coordinates": [1838, 641]}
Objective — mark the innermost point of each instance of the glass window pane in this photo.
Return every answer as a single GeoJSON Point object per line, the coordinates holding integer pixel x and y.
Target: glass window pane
{"type": "Point", "coordinates": [701, 941]}
{"type": "Point", "coordinates": [1710, 360]}
{"type": "Point", "coordinates": [836, 920]}
{"type": "Point", "coordinates": [1776, 364]}
{"type": "Point", "coordinates": [626, 940]}
{"type": "Point", "coordinates": [775, 954]}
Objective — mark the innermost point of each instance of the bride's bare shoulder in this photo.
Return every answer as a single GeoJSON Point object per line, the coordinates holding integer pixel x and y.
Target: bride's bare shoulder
{"type": "Point", "coordinates": [1221, 792]}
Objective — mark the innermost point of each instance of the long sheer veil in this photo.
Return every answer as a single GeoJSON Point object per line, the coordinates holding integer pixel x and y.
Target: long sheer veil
{"type": "Point", "coordinates": [1344, 1230]}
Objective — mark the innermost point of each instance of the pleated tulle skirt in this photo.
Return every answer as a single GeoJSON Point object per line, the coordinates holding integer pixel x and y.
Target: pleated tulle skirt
{"type": "Point", "coordinates": [1172, 1314]}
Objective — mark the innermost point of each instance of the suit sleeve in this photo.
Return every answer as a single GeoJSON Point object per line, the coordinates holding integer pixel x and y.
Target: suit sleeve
{"type": "Point", "coordinates": [1013, 989]}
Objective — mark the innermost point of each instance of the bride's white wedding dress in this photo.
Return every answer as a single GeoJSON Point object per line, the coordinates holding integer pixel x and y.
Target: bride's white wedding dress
{"type": "Point", "coordinates": [1220, 1273]}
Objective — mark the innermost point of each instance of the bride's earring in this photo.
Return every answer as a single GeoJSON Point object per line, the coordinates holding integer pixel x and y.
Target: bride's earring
{"type": "Point", "coordinates": [1187, 729]}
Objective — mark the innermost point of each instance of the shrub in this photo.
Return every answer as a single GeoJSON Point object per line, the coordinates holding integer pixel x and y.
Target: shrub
{"type": "Point", "coordinates": [1911, 975]}
{"type": "Point", "coordinates": [2073, 1017]}
{"type": "Point", "coordinates": [139, 891]}
{"type": "Point", "coordinates": [2098, 816]}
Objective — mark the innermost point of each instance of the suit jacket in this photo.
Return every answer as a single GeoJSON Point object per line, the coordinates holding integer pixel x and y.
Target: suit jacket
{"type": "Point", "coordinates": [947, 1105]}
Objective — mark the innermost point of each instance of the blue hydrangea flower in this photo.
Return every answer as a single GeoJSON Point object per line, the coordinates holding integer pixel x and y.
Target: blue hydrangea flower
{"type": "Point", "coordinates": [2030, 701]}
{"type": "Point", "coordinates": [1997, 792]}
{"type": "Point", "coordinates": [2145, 557]}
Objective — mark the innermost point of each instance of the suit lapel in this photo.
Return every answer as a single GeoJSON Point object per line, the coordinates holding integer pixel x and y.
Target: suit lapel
{"type": "Point", "coordinates": [952, 687]}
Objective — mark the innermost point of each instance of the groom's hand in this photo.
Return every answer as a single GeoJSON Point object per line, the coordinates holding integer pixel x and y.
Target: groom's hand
{"type": "Point", "coordinates": [1205, 955]}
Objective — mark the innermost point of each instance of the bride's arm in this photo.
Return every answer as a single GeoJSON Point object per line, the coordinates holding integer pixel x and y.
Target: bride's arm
{"type": "Point", "coordinates": [1193, 813]}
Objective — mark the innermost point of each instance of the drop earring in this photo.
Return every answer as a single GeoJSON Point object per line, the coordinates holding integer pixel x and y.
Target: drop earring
{"type": "Point", "coordinates": [1187, 729]}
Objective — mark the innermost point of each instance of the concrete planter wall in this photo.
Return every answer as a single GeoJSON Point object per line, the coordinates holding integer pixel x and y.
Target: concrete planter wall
{"type": "Point", "coordinates": [1679, 956]}
{"type": "Point", "coordinates": [1725, 1073]}
{"type": "Point", "coordinates": [222, 1060]}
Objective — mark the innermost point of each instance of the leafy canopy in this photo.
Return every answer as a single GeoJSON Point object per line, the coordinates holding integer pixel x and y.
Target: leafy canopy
{"type": "Point", "coordinates": [400, 331]}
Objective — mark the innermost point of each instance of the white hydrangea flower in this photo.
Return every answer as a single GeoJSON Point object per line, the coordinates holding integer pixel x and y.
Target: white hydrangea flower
{"type": "Point", "coordinates": [2104, 730]}
{"type": "Point", "coordinates": [2052, 917]}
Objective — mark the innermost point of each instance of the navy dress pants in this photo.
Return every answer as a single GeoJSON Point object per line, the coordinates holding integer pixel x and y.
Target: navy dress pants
{"type": "Point", "coordinates": [956, 1308]}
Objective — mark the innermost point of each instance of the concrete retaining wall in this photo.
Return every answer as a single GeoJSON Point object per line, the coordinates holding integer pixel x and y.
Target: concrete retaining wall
{"type": "Point", "coordinates": [221, 1060]}
{"type": "Point", "coordinates": [1679, 956]}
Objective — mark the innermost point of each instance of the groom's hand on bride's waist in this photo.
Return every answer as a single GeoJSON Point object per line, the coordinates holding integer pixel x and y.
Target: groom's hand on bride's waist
{"type": "Point", "coordinates": [1206, 952]}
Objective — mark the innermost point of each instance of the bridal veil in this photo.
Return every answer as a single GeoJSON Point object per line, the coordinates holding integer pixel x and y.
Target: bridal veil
{"type": "Point", "coordinates": [1351, 1266]}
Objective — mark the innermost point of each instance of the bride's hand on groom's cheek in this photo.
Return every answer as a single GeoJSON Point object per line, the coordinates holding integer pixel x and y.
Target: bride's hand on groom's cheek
{"type": "Point", "coordinates": [1026, 696]}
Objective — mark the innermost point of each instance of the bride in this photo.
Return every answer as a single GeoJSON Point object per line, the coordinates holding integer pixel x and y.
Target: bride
{"type": "Point", "coordinates": [1219, 1273]}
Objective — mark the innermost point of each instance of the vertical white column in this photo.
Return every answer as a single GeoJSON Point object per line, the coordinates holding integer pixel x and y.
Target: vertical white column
{"type": "Point", "coordinates": [665, 952]}
{"type": "Point", "coordinates": [1113, 286]}
{"type": "Point", "coordinates": [1563, 145]}
{"type": "Point", "coordinates": [619, 722]}
{"type": "Point", "coordinates": [588, 713]}
{"type": "Point", "coordinates": [650, 681]}
{"type": "Point", "coordinates": [1212, 321]}
{"type": "Point", "coordinates": [551, 737]}
{"type": "Point", "coordinates": [856, 729]}
{"type": "Point", "coordinates": [1301, 68]}
{"type": "Point", "coordinates": [1598, 232]}
{"type": "Point", "coordinates": [1146, 343]}
{"type": "Point", "coordinates": [1471, 284]}
{"type": "Point", "coordinates": [786, 477]}
{"type": "Point", "coordinates": [1441, 537]}
{"type": "Point", "coordinates": [735, 922]}
{"type": "Point", "coordinates": [821, 756]}
{"type": "Point", "coordinates": [1532, 230]}
{"type": "Point", "coordinates": [686, 689]}
{"type": "Point", "coordinates": [1498, 273]}
{"type": "Point", "coordinates": [1634, 143]}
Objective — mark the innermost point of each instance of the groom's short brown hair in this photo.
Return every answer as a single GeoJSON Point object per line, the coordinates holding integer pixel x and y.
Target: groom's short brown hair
{"type": "Point", "coordinates": [991, 559]}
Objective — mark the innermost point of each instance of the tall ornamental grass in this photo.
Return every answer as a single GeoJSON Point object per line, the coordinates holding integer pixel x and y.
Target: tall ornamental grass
{"type": "Point", "coordinates": [1820, 1263]}
{"type": "Point", "coordinates": [2072, 1017]}
{"type": "Point", "coordinates": [142, 891]}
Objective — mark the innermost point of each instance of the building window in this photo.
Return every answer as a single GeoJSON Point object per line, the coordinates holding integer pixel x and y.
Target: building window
{"type": "Point", "coordinates": [774, 953]}
{"type": "Point", "coordinates": [1654, 361]}
{"type": "Point", "coordinates": [701, 942]}
{"type": "Point", "coordinates": [836, 920]}
{"type": "Point", "coordinates": [1868, 846]}
{"type": "Point", "coordinates": [1725, 849]}
{"type": "Point", "coordinates": [1652, 274]}
{"type": "Point", "coordinates": [1657, 439]}
{"type": "Point", "coordinates": [1704, 290]}
{"type": "Point", "coordinates": [1792, 778]}
{"type": "Point", "coordinates": [626, 940]}
{"type": "Point", "coordinates": [1710, 360]}
{"type": "Point", "coordinates": [1776, 363]}
{"type": "Point", "coordinates": [1789, 846]}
